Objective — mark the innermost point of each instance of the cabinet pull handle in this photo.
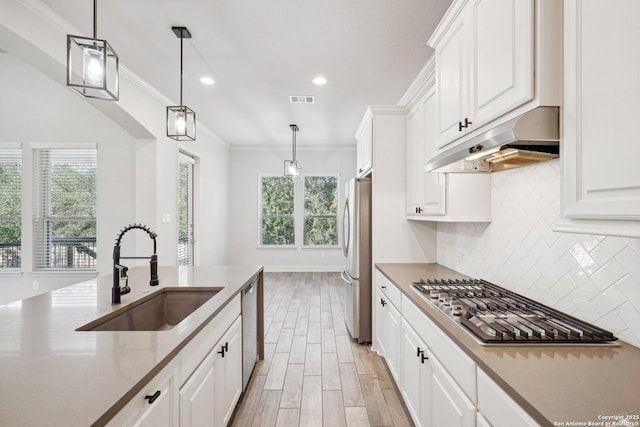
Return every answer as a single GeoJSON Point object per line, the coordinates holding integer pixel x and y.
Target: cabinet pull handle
{"type": "Point", "coordinates": [383, 302]}
{"type": "Point", "coordinates": [460, 127]}
{"type": "Point", "coordinates": [419, 352]}
{"type": "Point", "coordinates": [383, 287]}
{"type": "Point", "coordinates": [424, 358]}
{"type": "Point", "coordinates": [224, 348]}
{"type": "Point", "coordinates": [418, 210]}
{"type": "Point", "coordinates": [360, 170]}
{"type": "Point", "coordinates": [467, 122]}
{"type": "Point", "coordinates": [152, 397]}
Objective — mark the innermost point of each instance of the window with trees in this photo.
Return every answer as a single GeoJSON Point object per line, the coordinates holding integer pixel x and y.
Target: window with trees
{"type": "Point", "coordinates": [185, 209]}
{"type": "Point", "coordinates": [10, 208]}
{"type": "Point", "coordinates": [320, 210]}
{"type": "Point", "coordinates": [309, 206]}
{"type": "Point", "coordinates": [64, 229]}
{"type": "Point", "coordinates": [277, 208]}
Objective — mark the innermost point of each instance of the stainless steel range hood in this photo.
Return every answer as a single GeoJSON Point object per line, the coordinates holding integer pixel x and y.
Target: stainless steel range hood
{"type": "Point", "coordinates": [532, 137]}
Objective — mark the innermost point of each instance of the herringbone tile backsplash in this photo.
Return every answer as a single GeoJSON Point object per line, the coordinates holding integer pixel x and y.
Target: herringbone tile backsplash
{"type": "Point", "coordinates": [592, 277]}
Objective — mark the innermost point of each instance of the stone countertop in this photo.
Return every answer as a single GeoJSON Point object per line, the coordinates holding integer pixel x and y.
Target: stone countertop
{"type": "Point", "coordinates": [54, 375]}
{"type": "Point", "coordinates": [553, 384]}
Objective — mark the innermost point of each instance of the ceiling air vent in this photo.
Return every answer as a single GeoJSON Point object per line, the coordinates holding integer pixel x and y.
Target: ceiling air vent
{"type": "Point", "coordinates": [302, 99]}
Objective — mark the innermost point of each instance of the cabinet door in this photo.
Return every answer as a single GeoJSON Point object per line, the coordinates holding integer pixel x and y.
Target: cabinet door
{"type": "Point", "coordinates": [416, 375]}
{"type": "Point", "coordinates": [502, 61]}
{"type": "Point", "coordinates": [601, 90]}
{"type": "Point", "coordinates": [197, 395]}
{"type": "Point", "coordinates": [452, 80]}
{"type": "Point", "coordinates": [433, 183]}
{"type": "Point", "coordinates": [228, 373]}
{"type": "Point", "coordinates": [388, 329]}
{"type": "Point", "coordinates": [415, 154]}
{"type": "Point", "coordinates": [451, 407]}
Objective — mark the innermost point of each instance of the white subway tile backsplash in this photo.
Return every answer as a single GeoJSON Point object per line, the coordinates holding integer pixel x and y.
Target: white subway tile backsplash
{"type": "Point", "coordinates": [595, 278]}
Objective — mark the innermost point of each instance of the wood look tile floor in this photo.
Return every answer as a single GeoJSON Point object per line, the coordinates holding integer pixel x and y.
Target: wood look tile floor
{"type": "Point", "coordinates": [313, 373]}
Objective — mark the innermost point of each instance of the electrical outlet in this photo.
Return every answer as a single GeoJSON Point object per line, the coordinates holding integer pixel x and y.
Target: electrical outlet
{"type": "Point", "coordinates": [36, 285]}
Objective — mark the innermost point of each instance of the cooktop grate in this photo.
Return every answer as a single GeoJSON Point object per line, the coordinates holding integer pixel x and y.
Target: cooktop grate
{"type": "Point", "coordinates": [496, 315]}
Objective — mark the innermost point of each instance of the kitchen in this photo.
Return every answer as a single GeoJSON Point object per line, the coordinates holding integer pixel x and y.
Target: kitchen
{"type": "Point", "coordinates": [579, 256]}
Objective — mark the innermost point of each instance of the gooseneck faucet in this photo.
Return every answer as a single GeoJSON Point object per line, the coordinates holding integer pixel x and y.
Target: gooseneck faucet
{"type": "Point", "coordinates": [120, 271]}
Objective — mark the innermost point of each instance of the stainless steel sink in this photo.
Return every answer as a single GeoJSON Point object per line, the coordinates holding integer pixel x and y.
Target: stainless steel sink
{"type": "Point", "coordinates": [159, 311]}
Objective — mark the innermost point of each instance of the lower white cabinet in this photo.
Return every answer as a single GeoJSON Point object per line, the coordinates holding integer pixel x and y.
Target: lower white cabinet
{"type": "Point", "coordinates": [451, 407]}
{"type": "Point", "coordinates": [416, 375]}
{"type": "Point", "coordinates": [211, 393]}
{"type": "Point", "coordinates": [155, 406]}
{"type": "Point", "coordinates": [498, 408]}
{"type": "Point", "coordinates": [388, 326]}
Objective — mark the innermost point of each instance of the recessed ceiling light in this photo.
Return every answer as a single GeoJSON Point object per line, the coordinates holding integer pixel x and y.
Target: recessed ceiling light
{"type": "Point", "coordinates": [319, 81]}
{"type": "Point", "coordinates": [207, 80]}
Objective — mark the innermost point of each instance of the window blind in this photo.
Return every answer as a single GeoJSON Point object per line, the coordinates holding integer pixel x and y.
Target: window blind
{"type": "Point", "coordinates": [185, 210]}
{"type": "Point", "coordinates": [64, 229]}
{"type": "Point", "coordinates": [10, 208]}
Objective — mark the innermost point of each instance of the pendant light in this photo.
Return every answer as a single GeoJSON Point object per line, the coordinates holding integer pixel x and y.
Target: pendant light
{"type": "Point", "coordinates": [181, 120]}
{"type": "Point", "coordinates": [92, 65]}
{"type": "Point", "coordinates": [292, 167]}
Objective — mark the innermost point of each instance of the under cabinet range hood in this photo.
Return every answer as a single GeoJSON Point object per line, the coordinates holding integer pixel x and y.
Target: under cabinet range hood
{"type": "Point", "coordinates": [531, 137]}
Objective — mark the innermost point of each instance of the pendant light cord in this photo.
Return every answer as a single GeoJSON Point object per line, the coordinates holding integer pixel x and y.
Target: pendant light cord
{"type": "Point", "coordinates": [95, 19]}
{"type": "Point", "coordinates": [181, 42]}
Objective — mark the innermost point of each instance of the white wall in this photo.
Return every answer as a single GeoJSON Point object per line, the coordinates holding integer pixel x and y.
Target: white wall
{"type": "Point", "coordinates": [595, 278]}
{"type": "Point", "coordinates": [245, 165]}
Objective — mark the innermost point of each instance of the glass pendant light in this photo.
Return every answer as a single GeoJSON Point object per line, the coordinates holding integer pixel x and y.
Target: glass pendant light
{"type": "Point", "coordinates": [181, 120]}
{"type": "Point", "coordinates": [92, 65]}
{"type": "Point", "coordinates": [292, 167]}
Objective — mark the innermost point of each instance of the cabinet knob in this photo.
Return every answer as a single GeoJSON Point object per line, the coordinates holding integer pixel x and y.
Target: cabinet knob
{"type": "Point", "coordinates": [152, 397]}
{"type": "Point", "coordinates": [383, 287]}
{"type": "Point", "coordinates": [360, 170]}
{"type": "Point", "coordinates": [475, 149]}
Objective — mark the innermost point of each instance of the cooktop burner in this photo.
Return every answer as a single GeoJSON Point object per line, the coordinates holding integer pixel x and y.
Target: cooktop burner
{"type": "Point", "coordinates": [495, 315]}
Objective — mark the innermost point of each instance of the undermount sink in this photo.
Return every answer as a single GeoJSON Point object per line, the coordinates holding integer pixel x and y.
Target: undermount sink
{"type": "Point", "coordinates": [159, 311]}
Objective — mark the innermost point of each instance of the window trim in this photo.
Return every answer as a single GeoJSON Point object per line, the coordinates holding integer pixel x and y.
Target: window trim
{"type": "Point", "coordinates": [17, 270]}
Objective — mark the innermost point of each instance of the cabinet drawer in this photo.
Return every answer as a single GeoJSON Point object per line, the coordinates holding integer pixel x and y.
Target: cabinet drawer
{"type": "Point", "coordinates": [390, 290]}
{"type": "Point", "coordinates": [458, 364]}
{"type": "Point", "coordinates": [196, 350]}
{"type": "Point", "coordinates": [497, 407]}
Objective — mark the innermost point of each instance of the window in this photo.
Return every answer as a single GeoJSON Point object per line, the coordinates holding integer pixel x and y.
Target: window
{"type": "Point", "coordinates": [10, 208]}
{"type": "Point", "coordinates": [307, 207]}
{"type": "Point", "coordinates": [64, 229]}
{"type": "Point", "coordinates": [185, 210]}
{"type": "Point", "coordinates": [277, 226]}
{"type": "Point", "coordinates": [320, 210]}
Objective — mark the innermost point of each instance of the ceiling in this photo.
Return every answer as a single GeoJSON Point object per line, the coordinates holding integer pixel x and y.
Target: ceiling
{"type": "Point", "coordinates": [260, 52]}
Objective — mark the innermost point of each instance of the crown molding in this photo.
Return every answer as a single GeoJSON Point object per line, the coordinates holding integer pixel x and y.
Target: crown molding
{"type": "Point", "coordinates": [425, 80]}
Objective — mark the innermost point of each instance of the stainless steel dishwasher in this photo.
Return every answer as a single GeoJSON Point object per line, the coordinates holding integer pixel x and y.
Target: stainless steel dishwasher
{"type": "Point", "coordinates": [249, 330]}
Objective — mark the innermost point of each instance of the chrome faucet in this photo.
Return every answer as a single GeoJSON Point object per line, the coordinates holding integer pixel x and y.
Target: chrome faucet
{"type": "Point", "coordinates": [120, 271]}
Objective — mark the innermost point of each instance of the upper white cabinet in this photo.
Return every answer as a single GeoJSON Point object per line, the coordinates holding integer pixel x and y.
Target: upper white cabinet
{"type": "Point", "coordinates": [599, 145]}
{"type": "Point", "coordinates": [493, 57]}
{"type": "Point", "coordinates": [364, 146]}
{"type": "Point", "coordinates": [432, 196]}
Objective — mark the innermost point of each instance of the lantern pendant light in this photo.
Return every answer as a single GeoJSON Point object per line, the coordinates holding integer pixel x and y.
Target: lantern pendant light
{"type": "Point", "coordinates": [292, 167]}
{"type": "Point", "coordinates": [181, 120]}
{"type": "Point", "coordinates": [92, 65]}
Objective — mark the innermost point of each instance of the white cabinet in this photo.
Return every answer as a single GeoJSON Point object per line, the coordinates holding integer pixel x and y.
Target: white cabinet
{"type": "Point", "coordinates": [155, 406]}
{"type": "Point", "coordinates": [388, 330]}
{"type": "Point", "coordinates": [435, 196]}
{"type": "Point", "coordinates": [599, 149]}
{"type": "Point", "coordinates": [364, 147]}
{"type": "Point", "coordinates": [425, 191]}
{"type": "Point", "coordinates": [209, 397]}
{"type": "Point", "coordinates": [493, 57]}
{"type": "Point", "coordinates": [451, 407]}
{"type": "Point", "coordinates": [416, 375]}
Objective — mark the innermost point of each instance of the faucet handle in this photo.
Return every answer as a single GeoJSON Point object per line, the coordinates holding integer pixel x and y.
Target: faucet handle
{"type": "Point", "coordinates": [125, 289]}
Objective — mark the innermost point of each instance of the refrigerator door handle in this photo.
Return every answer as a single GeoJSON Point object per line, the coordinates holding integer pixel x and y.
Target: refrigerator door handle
{"type": "Point", "coordinates": [346, 226]}
{"type": "Point", "coordinates": [347, 279]}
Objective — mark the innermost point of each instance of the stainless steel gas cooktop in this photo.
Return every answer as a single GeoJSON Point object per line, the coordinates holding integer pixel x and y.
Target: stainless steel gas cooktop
{"type": "Point", "coordinates": [494, 315]}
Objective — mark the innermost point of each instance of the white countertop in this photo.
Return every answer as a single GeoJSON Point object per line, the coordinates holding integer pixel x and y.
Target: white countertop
{"type": "Point", "coordinates": [55, 375]}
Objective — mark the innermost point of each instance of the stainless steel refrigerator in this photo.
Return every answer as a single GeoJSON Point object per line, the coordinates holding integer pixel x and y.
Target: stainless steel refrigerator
{"type": "Point", "coordinates": [356, 244]}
